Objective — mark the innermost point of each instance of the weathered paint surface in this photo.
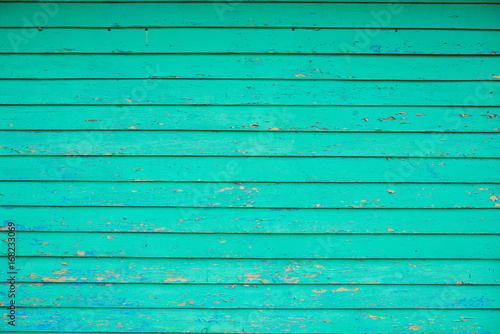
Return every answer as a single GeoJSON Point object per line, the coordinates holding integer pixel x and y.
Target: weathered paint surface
{"type": "Point", "coordinates": [248, 40]}
{"type": "Point", "coordinates": [252, 167]}
{"type": "Point", "coordinates": [245, 67]}
{"type": "Point", "coordinates": [321, 15]}
{"type": "Point", "coordinates": [255, 118]}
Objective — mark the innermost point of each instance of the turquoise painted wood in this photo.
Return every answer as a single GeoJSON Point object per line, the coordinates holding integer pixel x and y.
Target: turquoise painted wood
{"type": "Point", "coordinates": [273, 143]}
{"type": "Point", "coordinates": [232, 320]}
{"type": "Point", "coordinates": [262, 66]}
{"type": "Point", "coordinates": [246, 40]}
{"type": "Point", "coordinates": [249, 296]}
{"type": "Point", "coordinates": [321, 15]}
{"type": "Point", "coordinates": [251, 166]}
{"type": "Point", "coordinates": [251, 195]}
{"type": "Point", "coordinates": [233, 3]}
{"type": "Point", "coordinates": [249, 169]}
{"type": "Point", "coordinates": [261, 221]}
{"type": "Point", "coordinates": [447, 273]}
{"type": "Point", "coordinates": [254, 118]}
{"type": "Point", "coordinates": [257, 92]}
{"type": "Point", "coordinates": [258, 246]}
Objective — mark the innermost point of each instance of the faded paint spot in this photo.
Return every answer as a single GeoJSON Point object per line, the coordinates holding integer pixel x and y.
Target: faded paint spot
{"type": "Point", "coordinates": [223, 189]}
{"type": "Point", "coordinates": [345, 289]}
{"type": "Point", "coordinates": [175, 279]}
{"type": "Point", "coordinates": [59, 279]}
{"type": "Point", "coordinates": [415, 328]}
{"type": "Point", "coordinates": [60, 272]}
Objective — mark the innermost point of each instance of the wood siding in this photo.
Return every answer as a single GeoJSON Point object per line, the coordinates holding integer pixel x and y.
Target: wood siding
{"type": "Point", "coordinates": [251, 167]}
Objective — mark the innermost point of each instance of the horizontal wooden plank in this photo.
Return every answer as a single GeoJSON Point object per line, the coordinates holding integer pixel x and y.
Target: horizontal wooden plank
{"type": "Point", "coordinates": [232, 271]}
{"type": "Point", "coordinates": [237, 220]}
{"type": "Point", "coordinates": [216, 296]}
{"type": "Point", "coordinates": [258, 246]}
{"type": "Point", "coordinates": [293, 15]}
{"type": "Point", "coordinates": [252, 118]}
{"type": "Point", "coordinates": [228, 4]}
{"type": "Point", "coordinates": [256, 92]}
{"type": "Point", "coordinates": [235, 66]}
{"type": "Point", "coordinates": [248, 169]}
{"type": "Point", "coordinates": [247, 40]}
{"type": "Point", "coordinates": [261, 321]}
{"type": "Point", "coordinates": [200, 143]}
{"type": "Point", "coordinates": [250, 195]}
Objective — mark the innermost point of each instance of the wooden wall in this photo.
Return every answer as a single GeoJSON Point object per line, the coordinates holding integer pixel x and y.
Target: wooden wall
{"type": "Point", "coordinates": [256, 166]}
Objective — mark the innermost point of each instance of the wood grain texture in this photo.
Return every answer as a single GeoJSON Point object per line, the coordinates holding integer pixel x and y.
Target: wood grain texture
{"type": "Point", "coordinates": [252, 195]}
{"type": "Point", "coordinates": [257, 246]}
{"type": "Point", "coordinates": [257, 271]}
{"type": "Point", "coordinates": [207, 143]}
{"type": "Point", "coordinates": [293, 15]}
{"type": "Point", "coordinates": [250, 296]}
{"type": "Point", "coordinates": [249, 169]}
{"type": "Point", "coordinates": [226, 5]}
{"type": "Point", "coordinates": [236, 66]}
{"type": "Point", "coordinates": [247, 40]}
{"type": "Point", "coordinates": [271, 321]}
{"type": "Point", "coordinates": [258, 92]}
{"type": "Point", "coordinates": [253, 118]}
{"type": "Point", "coordinates": [242, 220]}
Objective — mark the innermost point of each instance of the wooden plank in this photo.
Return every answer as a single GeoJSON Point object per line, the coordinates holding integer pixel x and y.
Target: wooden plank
{"type": "Point", "coordinates": [237, 220]}
{"type": "Point", "coordinates": [250, 195]}
{"type": "Point", "coordinates": [248, 169]}
{"type": "Point", "coordinates": [200, 143]}
{"type": "Point", "coordinates": [257, 246]}
{"type": "Point", "coordinates": [252, 118]}
{"type": "Point", "coordinates": [250, 296]}
{"type": "Point", "coordinates": [236, 66]}
{"type": "Point", "coordinates": [229, 4]}
{"type": "Point", "coordinates": [262, 321]}
{"type": "Point", "coordinates": [233, 271]}
{"type": "Point", "coordinates": [247, 40]}
{"type": "Point", "coordinates": [256, 92]}
{"type": "Point", "coordinates": [293, 15]}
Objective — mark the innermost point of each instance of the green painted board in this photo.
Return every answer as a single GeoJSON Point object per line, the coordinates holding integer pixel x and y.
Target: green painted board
{"type": "Point", "coordinates": [253, 118]}
{"type": "Point", "coordinates": [275, 143]}
{"type": "Point", "coordinates": [293, 15]}
{"type": "Point", "coordinates": [445, 273]}
{"type": "Point", "coordinates": [256, 92]}
{"type": "Point", "coordinates": [243, 220]}
{"type": "Point", "coordinates": [251, 166]}
{"type": "Point", "coordinates": [269, 321]}
{"type": "Point", "coordinates": [229, 4]}
{"type": "Point", "coordinates": [250, 195]}
{"type": "Point", "coordinates": [248, 169]}
{"type": "Point", "coordinates": [241, 66]}
{"type": "Point", "coordinates": [257, 246]}
{"type": "Point", "coordinates": [250, 296]}
{"type": "Point", "coordinates": [248, 40]}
